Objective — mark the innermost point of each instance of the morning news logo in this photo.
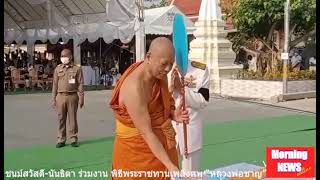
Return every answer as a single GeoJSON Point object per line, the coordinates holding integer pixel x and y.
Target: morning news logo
{"type": "Point", "coordinates": [290, 162]}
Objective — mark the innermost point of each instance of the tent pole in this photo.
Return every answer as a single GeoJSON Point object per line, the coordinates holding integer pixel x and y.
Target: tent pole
{"type": "Point", "coordinates": [100, 62]}
{"type": "Point", "coordinates": [140, 34]}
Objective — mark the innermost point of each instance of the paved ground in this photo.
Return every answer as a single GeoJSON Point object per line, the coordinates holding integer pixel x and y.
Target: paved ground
{"type": "Point", "coordinates": [30, 129]}
{"type": "Point", "coordinates": [301, 104]}
{"type": "Point", "coordinates": [224, 144]}
{"type": "Point", "coordinates": [29, 119]}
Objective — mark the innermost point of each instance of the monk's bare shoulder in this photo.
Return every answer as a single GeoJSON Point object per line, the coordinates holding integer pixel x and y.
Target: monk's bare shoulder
{"type": "Point", "coordinates": [131, 88]}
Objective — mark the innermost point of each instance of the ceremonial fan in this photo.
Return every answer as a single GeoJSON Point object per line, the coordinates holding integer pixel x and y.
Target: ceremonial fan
{"type": "Point", "coordinates": [180, 43]}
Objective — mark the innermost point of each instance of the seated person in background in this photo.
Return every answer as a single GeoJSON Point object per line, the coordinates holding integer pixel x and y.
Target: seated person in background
{"type": "Point", "coordinates": [7, 77]}
{"type": "Point", "coordinates": [28, 82]}
{"type": "Point", "coordinates": [45, 75]}
{"type": "Point", "coordinates": [48, 69]}
{"type": "Point", "coordinates": [252, 63]}
{"type": "Point", "coordinates": [312, 61]}
{"type": "Point", "coordinates": [296, 62]}
{"type": "Point", "coordinates": [7, 72]}
{"type": "Point", "coordinates": [34, 76]}
{"type": "Point", "coordinates": [40, 72]}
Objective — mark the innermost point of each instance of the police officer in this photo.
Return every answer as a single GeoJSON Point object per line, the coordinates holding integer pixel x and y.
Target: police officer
{"type": "Point", "coordinates": [197, 98]}
{"type": "Point", "coordinates": [67, 92]}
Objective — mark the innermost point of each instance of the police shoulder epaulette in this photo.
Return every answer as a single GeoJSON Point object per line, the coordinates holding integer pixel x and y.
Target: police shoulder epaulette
{"type": "Point", "coordinates": [199, 65]}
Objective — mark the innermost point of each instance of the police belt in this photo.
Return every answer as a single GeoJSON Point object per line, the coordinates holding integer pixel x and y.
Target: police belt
{"type": "Point", "coordinates": [67, 93]}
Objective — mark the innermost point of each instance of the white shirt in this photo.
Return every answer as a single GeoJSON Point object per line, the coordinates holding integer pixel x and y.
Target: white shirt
{"type": "Point", "coordinates": [253, 64]}
{"type": "Point", "coordinates": [195, 103]}
{"type": "Point", "coordinates": [296, 59]}
{"type": "Point", "coordinates": [312, 61]}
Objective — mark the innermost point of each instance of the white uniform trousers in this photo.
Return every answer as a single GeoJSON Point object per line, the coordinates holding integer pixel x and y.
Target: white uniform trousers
{"type": "Point", "coordinates": [192, 163]}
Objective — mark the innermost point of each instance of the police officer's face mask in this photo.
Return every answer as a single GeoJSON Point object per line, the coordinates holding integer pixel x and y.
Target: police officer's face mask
{"type": "Point", "coordinates": [65, 60]}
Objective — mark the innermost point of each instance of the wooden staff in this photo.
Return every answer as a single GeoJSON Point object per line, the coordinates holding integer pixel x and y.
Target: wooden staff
{"type": "Point", "coordinates": [185, 137]}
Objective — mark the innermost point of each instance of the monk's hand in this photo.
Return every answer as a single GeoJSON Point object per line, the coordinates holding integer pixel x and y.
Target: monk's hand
{"type": "Point", "coordinates": [172, 167]}
{"type": "Point", "coordinates": [181, 115]}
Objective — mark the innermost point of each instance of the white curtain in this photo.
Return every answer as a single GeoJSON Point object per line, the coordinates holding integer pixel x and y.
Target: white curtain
{"type": "Point", "coordinates": [90, 75]}
{"type": "Point", "coordinates": [122, 14]}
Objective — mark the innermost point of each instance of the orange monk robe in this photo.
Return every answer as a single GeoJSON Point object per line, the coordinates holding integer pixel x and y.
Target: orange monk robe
{"type": "Point", "coordinates": [131, 152]}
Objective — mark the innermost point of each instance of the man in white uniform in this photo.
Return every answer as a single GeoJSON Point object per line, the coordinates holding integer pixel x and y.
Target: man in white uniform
{"type": "Point", "coordinates": [197, 98]}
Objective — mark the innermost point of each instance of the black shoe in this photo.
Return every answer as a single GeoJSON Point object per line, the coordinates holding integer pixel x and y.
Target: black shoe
{"type": "Point", "coordinates": [75, 144]}
{"type": "Point", "coordinates": [60, 145]}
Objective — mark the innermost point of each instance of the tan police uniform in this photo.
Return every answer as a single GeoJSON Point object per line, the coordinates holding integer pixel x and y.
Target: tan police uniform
{"type": "Point", "coordinates": [67, 90]}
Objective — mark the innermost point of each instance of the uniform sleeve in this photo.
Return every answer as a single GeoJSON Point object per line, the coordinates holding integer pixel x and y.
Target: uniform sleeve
{"type": "Point", "coordinates": [55, 84]}
{"type": "Point", "coordinates": [194, 99]}
{"type": "Point", "coordinates": [80, 86]}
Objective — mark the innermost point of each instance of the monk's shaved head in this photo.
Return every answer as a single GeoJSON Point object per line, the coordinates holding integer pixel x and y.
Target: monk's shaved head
{"type": "Point", "coordinates": [160, 45]}
{"type": "Point", "coordinates": [160, 56]}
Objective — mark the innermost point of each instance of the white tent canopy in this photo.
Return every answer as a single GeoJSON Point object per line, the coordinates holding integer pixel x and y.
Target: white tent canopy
{"type": "Point", "coordinates": [31, 20]}
{"type": "Point", "coordinates": [159, 20]}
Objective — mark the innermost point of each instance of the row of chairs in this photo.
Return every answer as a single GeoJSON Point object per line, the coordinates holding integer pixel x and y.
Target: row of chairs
{"type": "Point", "coordinates": [34, 79]}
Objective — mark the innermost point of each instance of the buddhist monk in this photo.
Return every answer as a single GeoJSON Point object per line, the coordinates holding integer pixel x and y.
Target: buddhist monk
{"type": "Point", "coordinates": [144, 109]}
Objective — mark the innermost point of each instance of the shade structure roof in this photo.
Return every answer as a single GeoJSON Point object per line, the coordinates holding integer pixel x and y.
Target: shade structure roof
{"type": "Point", "coordinates": [160, 20]}
{"type": "Point", "coordinates": [31, 20]}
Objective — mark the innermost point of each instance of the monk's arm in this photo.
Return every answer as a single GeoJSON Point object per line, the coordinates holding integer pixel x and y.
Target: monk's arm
{"type": "Point", "coordinates": [172, 98]}
{"type": "Point", "coordinates": [137, 108]}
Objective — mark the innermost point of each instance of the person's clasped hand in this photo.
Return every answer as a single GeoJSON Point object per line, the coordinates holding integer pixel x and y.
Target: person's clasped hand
{"type": "Point", "coordinates": [187, 81]}
{"type": "Point", "coordinates": [182, 115]}
{"type": "Point", "coordinates": [175, 80]}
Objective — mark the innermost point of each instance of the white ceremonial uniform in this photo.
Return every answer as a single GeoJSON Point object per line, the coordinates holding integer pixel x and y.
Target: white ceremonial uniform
{"type": "Point", "coordinates": [195, 102]}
